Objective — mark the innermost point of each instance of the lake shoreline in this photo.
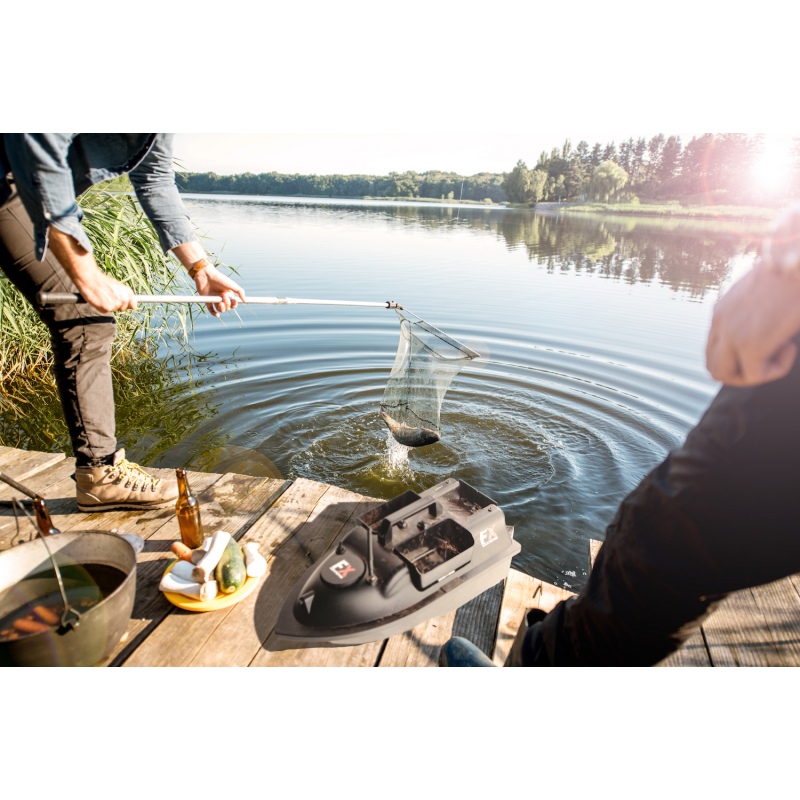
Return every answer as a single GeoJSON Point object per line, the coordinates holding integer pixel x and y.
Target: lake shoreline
{"type": "Point", "coordinates": [711, 212]}
{"type": "Point", "coordinates": [666, 210]}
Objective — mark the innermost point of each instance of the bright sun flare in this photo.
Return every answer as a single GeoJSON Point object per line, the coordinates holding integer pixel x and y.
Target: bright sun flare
{"type": "Point", "coordinates": [772, 168]}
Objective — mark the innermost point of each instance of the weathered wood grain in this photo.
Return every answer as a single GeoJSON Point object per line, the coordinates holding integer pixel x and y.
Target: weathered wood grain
{"type": "Point", "coordinates": [419, 647]}
{"type": "Point", "coordinates": [594, 549]}
{"type": "Point", "coordinates": [21, 464]}
{"type": "Point", "coordinates": [692, 653]}
{"type": "Point", "coordinates": [779, 603]}
{"type": "Point", "coordinates": [42, 483]}
{"type": "Point", "coordinates": [738, 636]}
{"type": "Point", "coordinates": [309, 655]}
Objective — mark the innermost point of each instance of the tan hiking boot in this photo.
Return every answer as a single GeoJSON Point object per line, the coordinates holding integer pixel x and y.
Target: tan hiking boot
{"type": "Point", "coordinates": [121, 485]}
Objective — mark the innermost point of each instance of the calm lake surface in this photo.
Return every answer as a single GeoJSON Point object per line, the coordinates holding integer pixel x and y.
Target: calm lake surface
{"type": "Point", "coordinates": [591, 332]}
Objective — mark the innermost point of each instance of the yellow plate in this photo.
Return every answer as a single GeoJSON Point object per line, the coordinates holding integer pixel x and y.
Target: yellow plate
{"type": "Point", "coordinates": [220, 601]}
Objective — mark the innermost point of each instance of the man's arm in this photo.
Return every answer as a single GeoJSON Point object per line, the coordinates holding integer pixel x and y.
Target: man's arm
{"type": "Point", "coordinates": [45, 185]}
{"type": "Point", "coordinates": [154, 183]}
{"type": "Point", "coordinates": [100, 290]}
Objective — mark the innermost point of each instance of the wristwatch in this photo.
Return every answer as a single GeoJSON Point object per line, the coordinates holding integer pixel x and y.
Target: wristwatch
{"type": "Point", "coordinates": [199, 266]}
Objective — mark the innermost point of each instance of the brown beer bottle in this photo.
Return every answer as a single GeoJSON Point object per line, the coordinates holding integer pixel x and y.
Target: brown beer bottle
{"type": "Point", "coordinates": [188, 510]}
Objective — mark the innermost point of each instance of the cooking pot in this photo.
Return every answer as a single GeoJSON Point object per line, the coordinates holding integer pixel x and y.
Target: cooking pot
{"type": "Point", "coordinates": [86, 560]}
{"type": "Point", "coordinates": [93, 571]}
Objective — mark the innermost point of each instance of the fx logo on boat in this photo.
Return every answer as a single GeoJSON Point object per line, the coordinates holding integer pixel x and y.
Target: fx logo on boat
{"type": "Point", "coordinates": [487, 536]}
{"type": "Point", "coordinates": [342, 569]}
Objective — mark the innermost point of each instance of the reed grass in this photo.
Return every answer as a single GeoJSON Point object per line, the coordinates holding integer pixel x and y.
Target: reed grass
{"type": "Point", "coordinates": [126, 246]}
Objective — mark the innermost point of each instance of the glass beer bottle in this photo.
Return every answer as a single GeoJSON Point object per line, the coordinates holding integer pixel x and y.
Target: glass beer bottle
{"type": "Point", "coordinates": [188, 510]}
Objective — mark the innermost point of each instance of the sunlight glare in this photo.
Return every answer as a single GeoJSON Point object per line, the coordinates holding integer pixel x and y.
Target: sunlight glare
{"type": "Point", "coordinates": [773, 166]}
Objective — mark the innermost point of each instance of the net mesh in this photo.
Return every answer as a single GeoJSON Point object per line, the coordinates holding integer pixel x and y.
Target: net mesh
{"type": "Point", "coordinates": [427, 360]}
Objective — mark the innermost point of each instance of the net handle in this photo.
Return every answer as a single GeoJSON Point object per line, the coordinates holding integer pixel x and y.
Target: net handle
{"type": "Point", "coordinates": [71, 298]}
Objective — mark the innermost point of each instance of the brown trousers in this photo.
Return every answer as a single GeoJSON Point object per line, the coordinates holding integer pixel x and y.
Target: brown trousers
{"type": "Point", "coordinates": [80, 336]}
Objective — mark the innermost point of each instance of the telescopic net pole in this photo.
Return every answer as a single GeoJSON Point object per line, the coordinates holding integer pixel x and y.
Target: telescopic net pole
{"type": "Point", "coordinates": [66, 298]}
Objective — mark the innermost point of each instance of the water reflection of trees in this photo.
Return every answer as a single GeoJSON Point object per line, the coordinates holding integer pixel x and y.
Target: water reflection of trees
{"type": "Point", "coordinates": [154, 409]}
{"type": "Point", "coordinates": [687, 254]}
{"type": "Point", "coordinates": [691, 255]}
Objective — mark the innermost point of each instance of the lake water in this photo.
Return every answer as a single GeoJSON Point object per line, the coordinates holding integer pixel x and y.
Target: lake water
{"type": "Point", "coordinates": [591, 332]}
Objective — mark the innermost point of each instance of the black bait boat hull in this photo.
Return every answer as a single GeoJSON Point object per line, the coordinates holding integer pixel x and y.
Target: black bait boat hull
{"type": "Point", "coordinates": [408, 560]}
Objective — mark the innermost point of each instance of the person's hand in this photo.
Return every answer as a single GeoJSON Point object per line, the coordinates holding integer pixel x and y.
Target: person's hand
{"type": "Point", "coordinates": [211, 281]}
{"type": "Point", "coordinates": [107, 294]}
{"type": "Point", "coordinates": [750, 341]}
{"type": "Point", "coordinates": [752, 327]}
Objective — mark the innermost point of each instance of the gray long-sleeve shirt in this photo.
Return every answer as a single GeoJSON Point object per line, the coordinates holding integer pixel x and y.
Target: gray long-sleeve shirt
{"type": "Point", "coordinates": [51, 169]}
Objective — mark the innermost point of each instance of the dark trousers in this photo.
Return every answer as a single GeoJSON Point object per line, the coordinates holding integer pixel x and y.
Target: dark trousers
{"type": "Point", "coordinates": [80, 336]}
{"type": "Point", "coordinates": [719, 514]}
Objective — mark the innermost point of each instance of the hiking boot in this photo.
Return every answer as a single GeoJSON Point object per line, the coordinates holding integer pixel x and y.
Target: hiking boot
{"type": "Point", "coordinates": [120, 485]}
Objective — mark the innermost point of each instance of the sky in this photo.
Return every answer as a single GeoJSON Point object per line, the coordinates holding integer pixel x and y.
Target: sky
{"type": "Point", "coordinates": [347, 88]}
{"type": "Point", "coordinates": [462, 152]}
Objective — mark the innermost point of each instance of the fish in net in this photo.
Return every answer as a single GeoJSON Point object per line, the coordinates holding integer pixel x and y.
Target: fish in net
{"type": "Point", "coordinates": [426, 362]}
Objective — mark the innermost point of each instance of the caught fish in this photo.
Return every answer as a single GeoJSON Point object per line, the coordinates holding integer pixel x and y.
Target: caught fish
{"type": "Point", "coordinates": [410, 435]}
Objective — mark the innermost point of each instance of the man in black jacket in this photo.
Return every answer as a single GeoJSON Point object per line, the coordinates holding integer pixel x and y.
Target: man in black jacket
{"type": "Point", "coordinates": [719, 514]}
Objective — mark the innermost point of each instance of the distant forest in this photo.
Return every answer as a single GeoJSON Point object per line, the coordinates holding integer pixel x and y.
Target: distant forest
{"type": "Point", "coordinates": [659, 169]}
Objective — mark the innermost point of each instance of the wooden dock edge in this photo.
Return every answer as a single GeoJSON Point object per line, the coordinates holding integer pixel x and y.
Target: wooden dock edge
{"type": "Point", "coordinates": [521, 594]}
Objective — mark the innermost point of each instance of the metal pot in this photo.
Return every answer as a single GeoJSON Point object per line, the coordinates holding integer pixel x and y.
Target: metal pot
{"type": "Point", "coordinates": [92, 633]}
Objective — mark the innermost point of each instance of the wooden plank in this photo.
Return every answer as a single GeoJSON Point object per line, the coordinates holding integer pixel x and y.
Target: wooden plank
{"type": "Point", "coordinates": [310, 655]}
{"type": "Point", "coordinates": [737, 634]}
{"type": "Point", "coordinates": [420, 646]}
{"type": "Point", "coordinates": [48, 484]}
{"type": "Point", "coordinates": [779, 602]}
{"type": "Point", "coordinates": [594, 549]}
{"type": "Point", "coordinates": [7, 454]}
{"type": "Point", "coordinates": [21, 464]}
{"type": "Point", "coordinates": [693, 653]}
{"type": "Point", "coordinates": [179, 640]}
{"type": "Point", "coordinates": [522, 593]}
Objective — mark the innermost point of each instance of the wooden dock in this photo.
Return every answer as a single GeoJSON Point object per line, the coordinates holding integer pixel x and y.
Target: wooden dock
{"type": "Point", "coordinates": [294, 523]}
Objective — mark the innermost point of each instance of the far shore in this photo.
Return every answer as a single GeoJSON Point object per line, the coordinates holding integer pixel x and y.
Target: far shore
{"type": "Point", "coordinates": [672, 209]}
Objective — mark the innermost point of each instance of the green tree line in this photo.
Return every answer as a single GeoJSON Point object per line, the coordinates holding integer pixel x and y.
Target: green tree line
{"type": "Point", "coordinates": [662, 168]}
{"type": "Point", "coordinates": [432, 185]}
{"type": "Point", "coordinates": [715, 166]}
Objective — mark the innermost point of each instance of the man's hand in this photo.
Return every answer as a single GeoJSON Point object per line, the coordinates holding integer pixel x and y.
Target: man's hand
{"type": "Point", "coordinates": [751, 331]}
{"type": "Point", "coordinates": [750, 341]}
{"type": "Point", "coordinates": [212, 281]}
{"type": "Point", "coordinates": [101, 291]}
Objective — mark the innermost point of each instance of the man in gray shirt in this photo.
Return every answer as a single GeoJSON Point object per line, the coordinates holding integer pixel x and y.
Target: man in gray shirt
{"type": "Point", "coordinates": [44, 247]}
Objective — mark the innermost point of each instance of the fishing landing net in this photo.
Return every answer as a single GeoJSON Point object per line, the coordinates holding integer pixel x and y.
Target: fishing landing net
{"type": "Point", "coordinates": [427, 360]}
